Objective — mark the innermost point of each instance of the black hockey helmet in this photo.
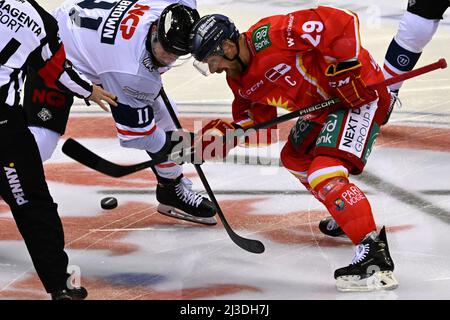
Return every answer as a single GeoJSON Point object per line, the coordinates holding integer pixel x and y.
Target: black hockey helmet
{"type": "Point", "coordinates": [174, 26]}
{"type": "Point", "coordinates": [209, 33]}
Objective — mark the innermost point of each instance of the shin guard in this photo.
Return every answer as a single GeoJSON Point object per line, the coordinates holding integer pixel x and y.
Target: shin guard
{"type": "Point", "coordinates": [349, 207]}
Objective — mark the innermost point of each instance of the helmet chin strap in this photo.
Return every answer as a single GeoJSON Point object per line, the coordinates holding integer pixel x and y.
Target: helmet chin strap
{"type": "Point", "coordinates": [243, 66]}
{"type": "Point", "coordinates": [155, 61]}
{"type": "Point", "coordinates": [237, 58]}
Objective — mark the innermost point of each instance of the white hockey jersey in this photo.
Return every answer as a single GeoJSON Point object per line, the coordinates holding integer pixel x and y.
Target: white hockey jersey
{"type": "Point", "coordinates": [106, 41]}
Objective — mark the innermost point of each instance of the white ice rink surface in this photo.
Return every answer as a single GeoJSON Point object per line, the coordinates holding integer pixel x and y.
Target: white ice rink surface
{"type": "Point", "coordinates": [133, 252]}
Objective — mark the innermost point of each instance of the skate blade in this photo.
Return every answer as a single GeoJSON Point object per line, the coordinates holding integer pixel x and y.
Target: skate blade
{"type": "Point", "coordinates": [381, 280]}
{"type": "Point", "coordinates": [178, 214]}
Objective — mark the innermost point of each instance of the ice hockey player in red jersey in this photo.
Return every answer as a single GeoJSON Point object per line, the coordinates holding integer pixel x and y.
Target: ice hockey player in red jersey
{"type": "Point", "coordinates": [292, 61]}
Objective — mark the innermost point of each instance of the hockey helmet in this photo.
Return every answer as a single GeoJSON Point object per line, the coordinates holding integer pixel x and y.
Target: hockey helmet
{"type": "Point", "coordinates": [209, 33]}
{"type": "Point", "coordinates": [174, 26]}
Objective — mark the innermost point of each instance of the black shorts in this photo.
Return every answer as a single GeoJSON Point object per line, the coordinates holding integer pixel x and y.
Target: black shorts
{"type": "Point", "coordinates": [428, 9]}
{"type": "Point", "coordinates": [46, 107]}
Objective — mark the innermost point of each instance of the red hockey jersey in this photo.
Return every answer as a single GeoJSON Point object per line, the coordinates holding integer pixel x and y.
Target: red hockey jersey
{"type": "Point", "coordinates": [289, 56]}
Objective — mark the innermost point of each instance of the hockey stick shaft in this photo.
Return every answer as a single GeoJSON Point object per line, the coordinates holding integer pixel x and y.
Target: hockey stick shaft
{"type": "Point", "coordinates": [250, 245]}
{"type": "Point", "coordinates": [440, 64]}
{"type": "Point", "coordinates": [80, 153]}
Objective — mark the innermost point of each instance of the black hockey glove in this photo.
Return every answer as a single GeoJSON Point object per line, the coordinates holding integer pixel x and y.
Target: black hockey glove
{"type": "Point", "coordinates": [177, 148]}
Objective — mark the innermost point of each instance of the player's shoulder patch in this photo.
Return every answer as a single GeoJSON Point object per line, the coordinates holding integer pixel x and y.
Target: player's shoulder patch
{"type": "Point", "coordinates": [261, 38]}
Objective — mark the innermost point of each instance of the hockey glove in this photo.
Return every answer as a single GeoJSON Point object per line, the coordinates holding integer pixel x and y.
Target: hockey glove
{"type": "Point", "coordinates": [210, 142]}
{"type": "Point", "coordinates": [345, 79]}
{"type": "Point", "coordinates": [177, 148]}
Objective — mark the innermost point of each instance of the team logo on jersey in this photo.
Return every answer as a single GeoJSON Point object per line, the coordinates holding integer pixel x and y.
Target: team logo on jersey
{"type": "Point", "coordinates": [290, 40]}
{"type": "Point", "coordinates": [300, 131]}
{"type": "Point", "coordinates": [138, 94]}
{"type": "Point", "coordinates": [47, 97]}
{"type": "Point", "coordinates": [44, 114]}
{"type": "Point", "coordinates": [251, 90]}
{"type": "Point", "coordinates": [329, 134]}
{"type": "Point", "coordinates": [129, 24]}
{"type": "Point", "coordinates": [116, 20]}
{"type": "Point", "coordinates": [276, 72]}
{"type": "Point", "coordinates": [352, 195]}
{"type": "Point", "coordinates": [340, 204]}
{"type": "Point", "coordinates": [356, 129]}
{"type": "Point", "coordinates": [147, 63]}
{"type": "Point", "coordinates": [260, 37]}
{"type": "Point", "coordinates": [278, 103]}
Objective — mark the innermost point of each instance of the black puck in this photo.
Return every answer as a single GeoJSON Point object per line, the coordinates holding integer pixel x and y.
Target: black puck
{"type": "Point", "coordinates": [108, 203]}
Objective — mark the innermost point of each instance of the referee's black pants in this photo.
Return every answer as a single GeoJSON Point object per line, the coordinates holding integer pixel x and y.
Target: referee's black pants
{"type": "Point", "coordinates": [23, 187]}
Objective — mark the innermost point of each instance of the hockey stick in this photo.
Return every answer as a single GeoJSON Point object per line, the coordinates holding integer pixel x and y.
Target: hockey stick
{"type": "Point", "coordinates": [78, 152]}
{"type": "Point", "coordinates": [440, 64]}
{"type": "Point", "coordinates": [81, 154]}
{"type": "Point", "coordinates": [250, 245]}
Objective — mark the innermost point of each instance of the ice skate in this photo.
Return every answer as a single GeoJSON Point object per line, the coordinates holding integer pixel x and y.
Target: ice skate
{"type": "Point", "coordinates": [371, 269]}
{"type": "Point", "coordinates": [177, 199]}
{"type": "Point", "coordinates": [70, 294]}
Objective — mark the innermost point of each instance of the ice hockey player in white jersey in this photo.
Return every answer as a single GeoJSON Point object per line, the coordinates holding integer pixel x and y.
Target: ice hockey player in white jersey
{"type": "Point", "coordinates": [125, 45]}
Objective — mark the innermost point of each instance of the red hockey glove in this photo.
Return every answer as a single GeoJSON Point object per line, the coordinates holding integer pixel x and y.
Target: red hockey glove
{"type": "Point", "coordinates": [210, 140]}
{"type": "Point", "coordinates": [345, 79]}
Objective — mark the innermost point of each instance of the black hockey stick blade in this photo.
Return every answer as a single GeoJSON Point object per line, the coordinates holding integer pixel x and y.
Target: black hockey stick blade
{"type": "Point", "coordinates": [250, 245]}
{"type": "Point", "coordinates": [83, 155]}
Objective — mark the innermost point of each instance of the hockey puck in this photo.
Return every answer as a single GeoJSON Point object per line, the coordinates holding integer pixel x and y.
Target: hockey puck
{"type": "Point", "coordinates": [108, 203]}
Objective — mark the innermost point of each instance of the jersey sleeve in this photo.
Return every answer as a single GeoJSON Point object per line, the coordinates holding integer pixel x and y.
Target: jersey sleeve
{"type": "Point", "coordinates": [251, 114]}
{"type": "Point", "coordinates": [341, 38]}
{"type": "Point", "coordinates": [241, 112]}
{"type": "Point", "coordinates": [334, 32]}
{"type": "Point", "coordinates": [247, 114]}
{"type": "Point", "coordinates": [49, 60]}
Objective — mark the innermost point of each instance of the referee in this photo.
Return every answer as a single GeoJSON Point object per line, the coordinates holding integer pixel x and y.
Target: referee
{"type": "Point", "coordinates": [29, 38]}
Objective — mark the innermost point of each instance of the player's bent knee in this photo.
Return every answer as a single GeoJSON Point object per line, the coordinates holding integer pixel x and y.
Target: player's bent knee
{"type": "Point", "coordinates": [333, 184]}
{"type": "Point", "coordinates": [152, 142]}
{"type": "Point", "coordinates": [46, 140]}
{"type": "Point", "coordinates": [323, 169]}
{"type": "Point", "coordinates": [294, 163]}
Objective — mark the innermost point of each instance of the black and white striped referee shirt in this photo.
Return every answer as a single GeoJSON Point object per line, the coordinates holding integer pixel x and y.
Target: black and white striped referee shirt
{"type": "Point", "coordinates": [29, 38]}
